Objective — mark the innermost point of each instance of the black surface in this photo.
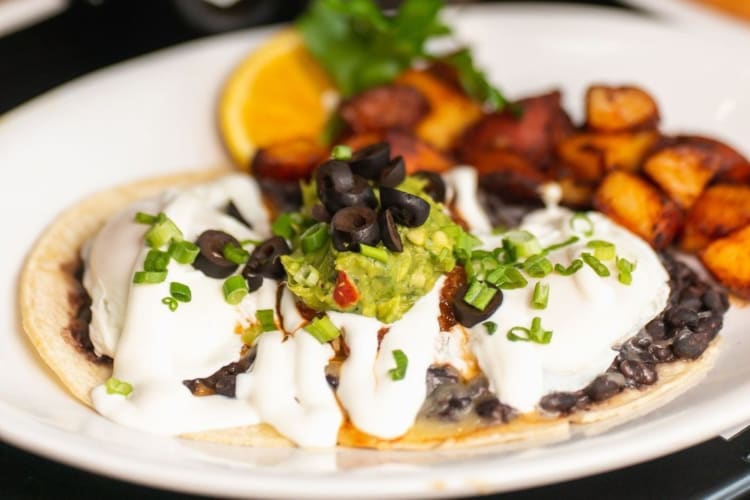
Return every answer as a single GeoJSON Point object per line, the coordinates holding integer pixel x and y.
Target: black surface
{"type": "Point", "coordinates": [91, 35]}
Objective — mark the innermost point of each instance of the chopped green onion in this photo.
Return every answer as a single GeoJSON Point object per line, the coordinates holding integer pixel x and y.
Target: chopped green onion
{"type": "Point", "coordinates": [373, 252]}
{"type": "Point", "coordinates": [149, 277]}
{"type": "Point", "coordinates": [563, 244]}
{"type": "Point", "coordinates": [603, 250]}
{"type": "Point", "coordinates": [595, 264]}
{"type": "Point", "coordinates": [286, 225]}
{"type": "Point", "coordinates": [156, 260]}
{"type": "Point", "coordinates": [251, 333]}
{"type": "Point", "coordinates": [463, 242]}
{"type": "Point", "coordinates": [541, 295]}
{"type": "Point", "coordinates": [266, 320]}
{"type": "Point", "coordinates": [402, 362]}
{"type": "Point", "coordinates": [115, 386]}
{"type": "Point", "coordinates": [235, 289]}
{"type": "Point", "coordinates": [573, 268]}
{"type": "Point", "coordinates": [341, 152]}
{"type": "Point", "coordinates": [535, 334]}
{"type": "Point", "coordinates": [479, 295]}
{"type": "Point", "coordinates": [625, 268]}
{"type": "Point", "coordinates": [180, 291]}
{"type": "Point", "coordinates": [144, 218]}
{"type": "Point", "coordinates": [314, 238]}
{"type": "Point", "coordinates": [585, 226]}
{"type": "Point", "coordinates": [235, 254]}
{"type": "Point", "coordinates": [162, 232]}
{"type": "Point", "coordinates": [245, 243]}
{"type": "Point", "coordinates": [520, 244]}
{"type": "Point", "coordinates": [507, 277]}
{"type": "Point", "coordinates": [308, 275]}
{"type": "Point", "coordinates": [183, 251]}
{"type": "Point", "coordinates": [170, 302]}
{"type": "Point", "coordinates": [490, 326]}
{"type": "Point", "coordinates": [537, 266]}
{"type": "Point", "coordinates": [322, 329]}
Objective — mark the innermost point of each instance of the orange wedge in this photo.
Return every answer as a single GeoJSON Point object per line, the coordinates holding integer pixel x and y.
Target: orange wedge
{"type": "Point", "coordinates": [276, 94]}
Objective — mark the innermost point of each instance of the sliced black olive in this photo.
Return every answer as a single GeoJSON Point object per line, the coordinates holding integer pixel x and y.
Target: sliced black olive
{"type": "Point", "coordinates": [361, 194]}
{"type": "Point", "coordinates": [394, 174]}
{"type": "Point", "coordinates": [265, 259]}
{"type": "Point", "coordinates": [232, 211]}
{"type": "Point", "coordinates": [210, 260]}
{"type": "Point", "coordinates": [435, 186]}
{"type": "Point", "coordinates": [389, 232]}
{"type": "Point", "coordinates": [408, 210]}
{"type": "Point", "coordinates": [320, 213]}
{"type": "Point", "coordinates": [254, 281]}
{"type": "Point", "coordinates": [469, 315]}
{"type": "Point", "coordinates": [370, 160]}
{"type": "Point", "coordinates": [333, 175]}
{"type": "Point", "coordinates": [354, 225]}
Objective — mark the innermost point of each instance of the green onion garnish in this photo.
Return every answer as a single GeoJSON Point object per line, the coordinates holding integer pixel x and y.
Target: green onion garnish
{"type": "Point", "coordinates": [520, 244]}
{"type": "Point", "coordinates": [341, 152]}
{"type": "Point", "coordinates": [266, 320]}
{"type": "Point", "coordinates": [582, 223]}
{"type": "Point", "coordinates": [595, 264]}
{"type": "Point", "coordinates": [535, 334]}
{"type": "Point", "coordinates": [149, 277]}
{"type": "Point", "coordinates": [541, 295]}
{"type": "Point", "coordinates": [603, 250]}
{"type": "Point", "coordinates": [180, 291]}
{"type": "Point", "coordinates": [308, 275]}
{"type": "Point", "coordinates": [322, 329]}
{"type": "Point", "coordinates": [507, 277]}
{"type": "Point", "coordinates": [490, 326]}
{"type": "Point", "coordinates": [245, 243]}
{"type": "Point", "coordinates": [286, 226]}
{"type": "Point", "coordinates": [537, 266]}
{"type": "Point", "coordinates": [144, 218]}
{"type": "Point", "coordinates": [235, 254]}
{"type": "Point", "coordinates": [625, 268]}
{"type": "Point", "coordinates": [479, 295]}
{"type": "Point", "coordinates": [314, 238]}
{"type": "Point", "coordinates": [162, 232]}
{"type": "Point", "coordinates": [115, 386]}
{"type": "Point", "coordinates": [573, 268]}
{"type": "Point", "coordinates": [183, 251]}
{"type": "Point", "coordinates": [156, 260]}
{"type": "Point", "coordinates": [464, 242]}
{"type": "Point", "coordinates": [373, 252]}
{"type": "Point", "coordinates": [562, 244]}
{"type": "Point", "coordinates": [235, 289]}
{"type": "Point", "coordinates": [402, 362]}
{"type": "Point", "coordinates": [170, 302]}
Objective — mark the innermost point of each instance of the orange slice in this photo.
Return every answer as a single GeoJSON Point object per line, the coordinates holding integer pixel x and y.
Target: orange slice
{"type": "Point", "coordinates": [276, 94]}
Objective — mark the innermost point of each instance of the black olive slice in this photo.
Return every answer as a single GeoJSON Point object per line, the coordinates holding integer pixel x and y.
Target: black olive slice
{"type": "Point", "coordinates": [389, 232]}
{"type": "Point", "coordinates": [361, 194]}
{"type": "Point", "coordinates": [232, 211]}
{"type": "Point", "coordinates": [354, 225]}
{"type": "Point", "coordinates": [333, 175]}
{"type": "Point", "coordinates": [254, 281]}
{"type": "Point", "coordinates": [320, 213]}
{"type": "Point", "coordinates": [265, 259]}
{"type": "Point", "coordinates": [469, 315]}
{"type": "Point", "coordinates": [435, 186]}
{"type": "Point", "coordinates": [394, 174]}
{"type": "Point", "coordinates": [210, 260]}
{"type": "Point", "coordinates": [370, 160]}
{"type": "Point", "coordinates": [408, 210]}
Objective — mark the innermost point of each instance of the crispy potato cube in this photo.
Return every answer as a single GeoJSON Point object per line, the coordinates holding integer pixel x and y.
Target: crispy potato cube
{"type": "Point", "coordinates": [450, 110]}
{"type": "Point", "coordinates": [682, 171]}
{"type": "Point", "coordinates": [732, 167]}
{"type": "Point", "coordinates": [507, 174]}
{"type": "Point", "coordinates": [590, 156]}
{"type": "Point", "coordinates": [720, 210]}
{"type": "Point", "coordinates": [289, 160]}
{"type": "Point", "coordinates": [728, 259]}
{"type": "Point", "coordinates": [631, 201]}
{"type": "Point", "coordinates": [619, 109]}
{"type": "Point", "coordinates": [384, 108]}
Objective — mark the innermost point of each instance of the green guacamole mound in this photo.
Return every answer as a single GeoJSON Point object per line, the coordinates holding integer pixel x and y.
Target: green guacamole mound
{"type": "Point", "coordinates": [386, 289]}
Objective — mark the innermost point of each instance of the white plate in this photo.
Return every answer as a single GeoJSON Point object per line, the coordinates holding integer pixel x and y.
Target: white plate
{"type": "Point", "coordinates": [156, 114]}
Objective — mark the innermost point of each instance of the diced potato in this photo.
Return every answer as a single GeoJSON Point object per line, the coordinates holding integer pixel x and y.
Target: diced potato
{"type": "Point", "coordinates": [576, 194]}
{"type": "Point", "coordinates": [507, 174]}
{"type": "Point", "coordinates": [384, 108]}
{"type": "Point", "coordinates": [728, 259]}
{"type": "Point", "coordinates": [720, 210]}
{"type": "Point", "coordinates": [639, 206]}
{"type": "Point", "coordinates": [681, 171]}
{"type": "Point", "coordinates": [590, 156]}
{"type": "Point", "coordinates": [450, 110]}
{"type": "Point", "coordinates": [619, 109]}
{"type": "Point", "coordinates": [288, 161]}
{"type": "Point", "coordinates": [732, 166]}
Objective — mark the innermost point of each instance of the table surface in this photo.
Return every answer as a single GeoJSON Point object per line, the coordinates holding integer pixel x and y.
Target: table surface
{"type": "Point", "coordinates": [93, 34]}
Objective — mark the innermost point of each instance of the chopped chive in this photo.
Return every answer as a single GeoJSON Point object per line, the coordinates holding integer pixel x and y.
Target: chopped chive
{"type": "Point", "coordinates": [562, 244]}
{"type": "Point", "coordinates": [490, 326]}
{"type": "Point", "coordinates": [541, 295]}
{"type": "Point", "coordinates": [266, 320]}
{"type": "Point", "coordinates": [537, 266]}
{"type": "Point", "coordinates": [235, 254]}
{"type": "Point", "coordinates": [464, 243]}
{"type": "Point", "coordinates": [180, 291]}
{"type": "Point", "coordinates": [285, 226]}
{"type": "Point", "coordinates": [183, 251]}
{"type": "Point", "coordinates": [573, 268]}
{"type": "Point", "coordinates": [235, 289]}
{"type": "Point", "coordinates": [402, 362]}
{"type": "Point", "coordinates": [162, 232]}
{"type": "Point", "coordinates": [373, 252]}
{"type": "Point", "coordinates": [144, 218]}
{"type": "Point", "coordinates": [170, 302]}
{"type": "Point", "coordinates": [115, 386]}
{"type": "Point", "coordinates": [507, 277]}
{"type": "Point", "coordinates": [156, 260]}
{"type": "Point", "coordinates": [322, 329]}
{"type": "Point", "coordinates": [581, 222]}
{"type": "Point", "coordinates": [603, 250]}
{"type": "Point", "coordinates": [314, 238]}
{"type": "Point", "coordinates": [519, 333]}
{"type": "Point", "coordinates": [520, 244]}
{"type": "Point", "coordinates": [535, 334]}
{"type": "Point", "coordinates": [479, 295]}
{"type": "Point", "coordinates": [149, 277]}
{"type": "Point", "coordinates": [625, 269]}
{"type": "Point", "coordinates": [341, 152]}
{"type": "Point", "coordinates": [595, 264]}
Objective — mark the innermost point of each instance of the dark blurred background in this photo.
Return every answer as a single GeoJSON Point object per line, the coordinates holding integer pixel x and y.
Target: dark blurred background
{"type": "Point", "coordinates": [88, 35]}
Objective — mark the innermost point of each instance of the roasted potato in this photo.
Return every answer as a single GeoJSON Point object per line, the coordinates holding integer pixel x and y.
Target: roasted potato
{"type": "Point", "coordinates": [506, 174]}
{"type": "Point", "coordinates": [417, 154]}
{"type": "Point", "coordinates": [590, 156]}
{"type": "Point", "coordinates": [682, 171]}
{"type": "Point", "coordinates": [451, 110]}
{"type": "Point", "coordinates": [639, 206]}
{"type": "Point", "coordinates": [728, 259]}
{"type": "Point", "coordinates": [383, 108]}
{"type": "Point", "coordinates": [288, 161]}
{"type": "Point", "coordinates": [731, 165]}
{"type": "Point", "coordinates": [720, 210]}
{"type": "Point", "coordinates": [620, 109]}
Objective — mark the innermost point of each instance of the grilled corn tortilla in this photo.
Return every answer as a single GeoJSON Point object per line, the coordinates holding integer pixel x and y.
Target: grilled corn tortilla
{"type": "Point", "coordinates": [46, 283]}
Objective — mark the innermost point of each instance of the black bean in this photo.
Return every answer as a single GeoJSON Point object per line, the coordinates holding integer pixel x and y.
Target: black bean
{"type": "Point", "coordinates": [469, 315]}
{"type": "Point", "coordinates": [210, 260]}
{"type": "Point", "coordinates": [435, 187]}
{"type": "Point", "coordinates": [559, 402]}
{"type": "Point", "coordinates": [441, 374]}
{"type": "Point", "coordinates": [692, 303]}
{"type": "Point", "coordinates": [680, 317]}
{"type": "Point", "coordinates": [715, 301]}
{"type": "Point", "coordinates": [478, 386]}
{"type": "Point", "coordinates": [638, 372]}
{"type": "Point", "coordinates": [491, 410]}
{"type": "Point", "coordinates": [352, 226]}
{"type": "Point", "coordinates": [603, 387]}
{"type": "Point", "coordinates": [408, 210]}
{"type": "Point", "coordinates": [710, 325]}
{"type": "Point", "coordinates": [394, 174]}
{"type": "Point", "coordinates": [690, 345]}
{"type": "Point", "coordinates": [655, 328]}
{"type": "Point", "coordinates": [265, 259]}
{"type": "Point", "coordinates": [642, 342]}
{"type": "Point", "coordinates": [389, 232]}
{"type": "Point", "coordinates": [370, 160]}
{"type": "Point", "coordinates": [660, 353]}
{"type": "Point", "coordinates": [447, 402]}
